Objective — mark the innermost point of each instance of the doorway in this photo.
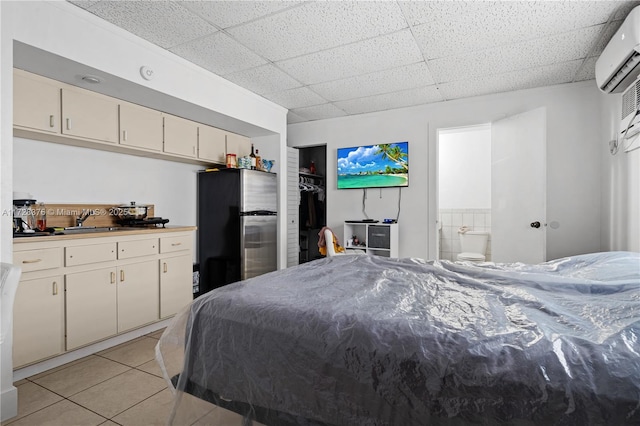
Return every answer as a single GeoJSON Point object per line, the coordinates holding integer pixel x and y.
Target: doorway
{"type": "Point", "coordinates": [464, 186]}
{"type": "Point", "coordinates": [312, 209]}
{"type": "Point", "coordinates": [516, 218]}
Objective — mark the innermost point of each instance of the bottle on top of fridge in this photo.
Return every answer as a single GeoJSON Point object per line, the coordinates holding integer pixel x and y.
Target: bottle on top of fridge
{"type": "Point", "coordinates": [253, 158]}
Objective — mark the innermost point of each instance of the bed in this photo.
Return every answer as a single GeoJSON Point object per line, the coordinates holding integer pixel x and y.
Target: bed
{"type": "Point", "coordinates": [367, 340]}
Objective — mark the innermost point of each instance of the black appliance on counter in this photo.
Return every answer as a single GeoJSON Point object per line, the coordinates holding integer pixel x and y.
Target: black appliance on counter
{"type": "Point", "coordinates": [237, 226]}
{"type": "Point", "coordinates": [144, 223]}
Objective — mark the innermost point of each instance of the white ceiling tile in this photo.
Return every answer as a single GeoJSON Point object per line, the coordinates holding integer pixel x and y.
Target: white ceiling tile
{"type": "Point", "coordinates": [317, 26]}
{"type": "Point", "coordinates": [392, 80]}
{"type": "Point", "coordinates": [517, 80]}
{"type": "Point", "coordinates": [587, 71]}
{"type": "Point", "coordinates": [294, 118]}
{"type": "Point", "coordinates": [84, 3]}
{"type": "Point", "coordinates": [510, 22]}
{"type": "Point", "coordinates": [263, 79]}
{"type": "Point", "coordinates": [527, 54]}
{"type": "Point", "coordinates": [218, 53]}
{"type": "Point", "coordinates": [319, 112]}
{"type": "Point", "coordinates": [420, 12]}
{"type": "Point", "coordinates": [229, 13]}
{"type": "Point", "coordinates": [363, 57]}
{"type": "Point", "coordinates": [405, 98]}
{"type": "Point", "coordinates": [163, 23]}
{"type": "Point", "coordinates": [296, 98]}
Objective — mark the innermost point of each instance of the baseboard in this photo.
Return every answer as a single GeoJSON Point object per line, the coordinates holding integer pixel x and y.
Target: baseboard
{"type": "Point", "coordinates": [8, 403]}
{"type": "Point", "coordinates": [67, 357]}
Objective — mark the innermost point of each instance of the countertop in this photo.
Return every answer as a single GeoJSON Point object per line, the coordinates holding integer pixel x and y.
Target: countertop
{"type": "Point", "coordinates": [125, 232]}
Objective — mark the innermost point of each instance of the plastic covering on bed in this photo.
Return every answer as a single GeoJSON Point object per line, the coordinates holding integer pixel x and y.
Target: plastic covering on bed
{"type": "Point", "coordinates": [367, 340]}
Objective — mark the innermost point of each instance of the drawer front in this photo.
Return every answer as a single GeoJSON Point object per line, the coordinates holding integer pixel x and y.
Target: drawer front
{"type": "Point", "coordinates": [379, 237]}
{"type": "Point", "coordinates": [129, 249]}
{"type": "Point", "coordinates": [82, 255]}
{"type": "Point", "coordinates": [38, 260]}
{"type": "Point", "coordinates": [171, 244]}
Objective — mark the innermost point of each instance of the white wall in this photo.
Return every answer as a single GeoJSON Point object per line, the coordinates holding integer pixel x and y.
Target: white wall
{"type": "Point", "coordinates": [64, 174]}
{"type": "Point", "coordinates": [574, 149]}
{"type": "Point", "coordinates": [620, 183]}
{"type": "Point", "coordinates": [464, 168]}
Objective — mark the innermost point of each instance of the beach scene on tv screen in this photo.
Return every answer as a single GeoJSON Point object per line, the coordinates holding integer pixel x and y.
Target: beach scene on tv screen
{"type": "Point", "coordinates": [374, 166]}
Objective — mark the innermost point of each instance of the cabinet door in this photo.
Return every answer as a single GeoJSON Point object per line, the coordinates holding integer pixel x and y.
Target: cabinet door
{"type": "Point", "coordinates": [212, 144]}
{"type": "Point", "coordinates": [91, 306]}
{"type": "Point", "coordinates": [38, 320]}
{"type": "Point", "coordinates": [89, 115]}
{"type": "Point", "coordinates": [176, 284]}
{"type": "Point", "coordinates": [137, 294]}
{"type": "Point", "coordinates": [36, 103]}
{"type": "Point", "coordinates": [180, 136]}
{"type": "Point", "coordinates": [140, 127]}
{"type": "Point", "coordinates": [239, 145]}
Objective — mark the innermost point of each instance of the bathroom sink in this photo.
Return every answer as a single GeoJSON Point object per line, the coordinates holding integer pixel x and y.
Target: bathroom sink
{"type": "Point", "coordinates": [89, 229]}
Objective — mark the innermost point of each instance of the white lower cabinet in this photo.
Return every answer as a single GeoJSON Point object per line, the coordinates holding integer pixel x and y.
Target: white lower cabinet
{"type": "Point", "coordinates": [38, 320]}
{"type": "Point", "coordinates": [91, 289]}
{"type": "Point", "coordinates": [174, 294]}
{"type": "Point", "coordinates": [137, 295]}
{"type": "Point", "coordinates": [91, 299]}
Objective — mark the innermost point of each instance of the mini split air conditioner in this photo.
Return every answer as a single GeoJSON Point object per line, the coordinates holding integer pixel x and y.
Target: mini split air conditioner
{"type": "Point", "coordinates": [618, 70]}
{"type": "Point", "coordinates": [618, 65]}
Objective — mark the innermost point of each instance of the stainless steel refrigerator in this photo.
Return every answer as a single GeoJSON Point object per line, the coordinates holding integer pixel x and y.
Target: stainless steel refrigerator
{"type": "Point", "coordinates": [237, 226]}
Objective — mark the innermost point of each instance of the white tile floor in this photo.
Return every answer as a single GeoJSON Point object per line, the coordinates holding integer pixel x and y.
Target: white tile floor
{"type": "Point", "coordinates": [122, 385]}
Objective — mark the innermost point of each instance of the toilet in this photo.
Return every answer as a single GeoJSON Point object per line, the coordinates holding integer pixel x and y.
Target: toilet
{"type": "Point", "coordinates": [473, 245]}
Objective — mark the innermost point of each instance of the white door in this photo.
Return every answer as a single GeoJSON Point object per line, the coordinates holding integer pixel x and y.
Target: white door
{"type": "Point", "coordinates": [293, 207]}
{"type": "Point", "coordinates": [518, 188]}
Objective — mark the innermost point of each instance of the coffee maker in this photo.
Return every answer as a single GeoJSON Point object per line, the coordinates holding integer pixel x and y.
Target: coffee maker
{"type": "Point", "coordinates": [24, 216]}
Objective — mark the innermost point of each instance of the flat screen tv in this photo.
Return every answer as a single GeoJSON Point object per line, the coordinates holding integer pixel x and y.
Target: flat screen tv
{"type": "Point", "coordinates": [374, 166]}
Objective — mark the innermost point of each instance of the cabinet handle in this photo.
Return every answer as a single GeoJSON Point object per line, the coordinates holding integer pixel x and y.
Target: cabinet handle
{"type": "Point", "coordinates": [55, 288]}
{"type": "Point", "coordinates": [175, 244]}
{"type": "Point", "coordinates": [124, 135]}
{"type": "Point", "coordinates": [32, 261]}
{"type": "Point", "coordinates": [164, 267]}
{"type": "Point", "coordinates": [68, 124]}
{"type": "Point", "coordinates": [193, 150]}
{"type": "Point", "coordinates": [51, 123]}
{"type": "Point", "coordinates": [121, 275]}
{"type": "Point", "coordinates": [113, 278]}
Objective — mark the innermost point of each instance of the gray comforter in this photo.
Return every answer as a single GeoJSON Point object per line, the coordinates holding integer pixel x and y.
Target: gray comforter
{"type": "Point", "coordinates": [366, 340]}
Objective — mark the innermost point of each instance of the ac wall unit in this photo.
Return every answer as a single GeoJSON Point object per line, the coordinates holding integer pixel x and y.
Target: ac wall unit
{"type": "Point", "coordinates": [619, 64]}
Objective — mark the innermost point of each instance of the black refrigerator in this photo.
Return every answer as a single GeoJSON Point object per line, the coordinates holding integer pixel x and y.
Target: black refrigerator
{"type": "Point", "coordinates": [237, 226]}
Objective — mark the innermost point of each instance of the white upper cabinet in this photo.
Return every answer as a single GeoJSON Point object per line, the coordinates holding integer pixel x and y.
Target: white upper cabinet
{"type": "Point", "coordinates": [89, 115]}
{"type": "Point", "coordinates": [180, 136]}
{"type": "Point", "coordinates": [211, 144]}
{"type": "Point", "coordinates": [36, 102]}
{"type": "Point", "coordinates": [49, 110]}
{"type": "Point", "coordinates": [239, 145]}
{"type": "Point", "coordinates": [140, 127]}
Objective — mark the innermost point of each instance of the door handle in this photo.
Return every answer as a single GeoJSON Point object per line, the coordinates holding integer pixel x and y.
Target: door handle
{"type": "Point", "coordinates": [535, 224]}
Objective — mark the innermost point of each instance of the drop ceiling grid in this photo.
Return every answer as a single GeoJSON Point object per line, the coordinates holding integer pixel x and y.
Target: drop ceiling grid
{"type": "Point", "coordinates": [349, 60]}
{"type": "Point", "coordinates": [219, 54]}
{"type": "Point", "coordinates": [376, 83]}
{"type": "Point", "coordinates": [227, 14]}
{"type": "Point", "coordinates": [163, 23]}
{"type": "Point", "coordinates": [318, 26]}
{"type": "Point", "coordinates": [328, 59]}
{"type": "Point", "coordinates": [516, 80]}
{"type": "Point", "coordinates": [518, 56]}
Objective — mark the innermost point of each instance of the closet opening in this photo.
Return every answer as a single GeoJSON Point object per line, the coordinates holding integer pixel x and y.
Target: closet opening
{"type": "Point", "coordinates": [312, 208]}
